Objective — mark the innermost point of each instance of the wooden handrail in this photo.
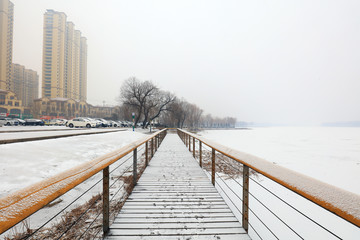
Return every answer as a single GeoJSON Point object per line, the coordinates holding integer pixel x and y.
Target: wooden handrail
{"type": "Point", "coordinates": [17, 206]}
{"type": "Point", "coordinates": [342, 203]}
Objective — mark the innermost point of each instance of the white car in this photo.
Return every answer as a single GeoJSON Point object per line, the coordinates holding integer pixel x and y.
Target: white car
{"type": "Point", "coordinates": [7, 121]}
{"type": "Point", "coordinates": [80, 122]}
{"type": "Point", "coordinates": [60, 122]}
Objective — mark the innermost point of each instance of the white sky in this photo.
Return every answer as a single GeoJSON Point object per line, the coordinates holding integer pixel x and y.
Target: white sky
{"type": "Point", "coordinates": [278, 61]}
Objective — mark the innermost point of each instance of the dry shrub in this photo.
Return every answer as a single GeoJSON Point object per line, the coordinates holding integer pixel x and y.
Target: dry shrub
{"type": "Point", "coordinates": [225, 165]}
{"type": "Point", "coordinates": [88, 225]}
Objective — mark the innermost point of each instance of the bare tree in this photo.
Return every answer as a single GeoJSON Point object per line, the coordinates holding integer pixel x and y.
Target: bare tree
{"type": "Point", "coordinates": [155, 105]}
{"type": "Point", "coordinates": [193, 116]}
{"type": "Point", "coordinates": [178, 113]}
{"type": "Point", "coordinates": [135, 93]}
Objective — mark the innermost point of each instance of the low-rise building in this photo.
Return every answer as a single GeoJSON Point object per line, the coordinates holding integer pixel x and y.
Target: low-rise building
{"type": "Point", "coordinates": [10, 105]}
{"type": "Point", "coordinates": [50, 108]}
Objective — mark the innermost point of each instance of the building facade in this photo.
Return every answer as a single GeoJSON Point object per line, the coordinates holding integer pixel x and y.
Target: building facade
{"type": "Point", "coordinates": [64, 59]}
{"type": "Point", "coordinates": [10, 105]}
{"type": "Point", "coordinates": [67, 108]}
{"type": "Point", "coordinates": [6, 43]}
{"type": "Point", "coordinates": [25, 84]}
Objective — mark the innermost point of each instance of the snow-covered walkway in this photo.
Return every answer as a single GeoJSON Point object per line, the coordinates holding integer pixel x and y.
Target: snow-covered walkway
{"type": "Point", "coordinates": [174, 199]}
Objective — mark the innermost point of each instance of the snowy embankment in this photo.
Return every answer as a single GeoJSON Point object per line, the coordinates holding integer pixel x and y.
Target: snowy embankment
{"type": "Point", "coordinates": [23, 164]}
{"type": "Point", "coordinates": [328, 154]}
{"type": "Point", "coordinates": [331, 155]}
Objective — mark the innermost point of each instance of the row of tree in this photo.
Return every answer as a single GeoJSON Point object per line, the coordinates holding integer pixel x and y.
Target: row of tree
{"type": "Point", "coordinates": [151, 104]}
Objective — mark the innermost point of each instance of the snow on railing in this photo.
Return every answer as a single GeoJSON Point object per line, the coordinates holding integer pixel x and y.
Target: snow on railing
{"type": "Point", "coordinates": [342, 203]}
{"type": "Point", "coordinates": [19, 205]}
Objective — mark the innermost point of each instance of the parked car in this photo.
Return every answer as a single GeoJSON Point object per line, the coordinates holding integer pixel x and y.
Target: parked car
{"type": "Point", "coordinates": [114, 123]}
{"type": "Point", "coordinates": [60, 122]}
{"type": "Point", "coordinates": [8, 121]}
{"type": "Point", "coordinates": [80, 122]}
{"type": "Point", "coordinates": [94, 123]}
{"type": "Point", "coordinates": [34, 122]}
{"type": "Point", "coordinates": [104, 123]}
{"type": "Point", "coordinates": [20, 121]}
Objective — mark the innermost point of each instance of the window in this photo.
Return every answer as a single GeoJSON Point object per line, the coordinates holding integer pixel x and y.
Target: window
{"type": "Point", "coordinates": [10, 103]}
{"type": "Point", "coordinates": [17, 104]}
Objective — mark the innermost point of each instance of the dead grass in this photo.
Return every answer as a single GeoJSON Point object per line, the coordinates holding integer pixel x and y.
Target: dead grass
{"type": "Point", "coordinates": [225, 165]}
{"type": "Point", "coordinates": [88, 225]}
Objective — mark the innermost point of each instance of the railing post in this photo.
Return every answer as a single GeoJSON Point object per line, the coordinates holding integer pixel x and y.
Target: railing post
{"type": "Point", "coordinates": [213, 166]}
{"type": "Point", "coordinates": [200, 153]}
{"type": "Point", "coordinates": [194, 147]}
{"type": "Point", "coordinates": [245, 205]}
{"type": "Point", "coordinates": [106, 201]}
{"type": "Point", "coordinates": [152, 147]}
{"type": "Point", "coordinates": [156, 143]}
{"type": "Point", "coordinates": [185, 138]}
{"type": "Point", "coordinates": [134, 166]}
{"type": "Point", "coordinates": [189, 143]}
{"type": "Point", "coordinates": [146, 153]}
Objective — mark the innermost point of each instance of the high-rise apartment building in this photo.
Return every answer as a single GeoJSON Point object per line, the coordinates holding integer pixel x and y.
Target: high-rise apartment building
{"type": "Point", "coordinates": [83, 69]}
{"type": "Point", "coordinates": [64, 58]}
{"type": "Point", "coordinates": [25, 84]}
{"type": "Point", "coordinates": [6, 43]}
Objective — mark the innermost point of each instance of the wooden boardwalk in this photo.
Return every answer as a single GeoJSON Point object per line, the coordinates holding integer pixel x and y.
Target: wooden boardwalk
{"type": "Point", "coordinates": [174, 199]}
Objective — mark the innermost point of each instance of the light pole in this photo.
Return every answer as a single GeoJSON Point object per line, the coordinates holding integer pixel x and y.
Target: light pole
{"type": "Point", "coordinates": [133, 117]}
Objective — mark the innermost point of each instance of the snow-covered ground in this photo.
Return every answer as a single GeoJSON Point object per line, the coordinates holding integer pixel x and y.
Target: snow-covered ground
{"type": "Point", "coordinates": [22, 164]}
{"type": "Point", "coordinates": [331, 155]}
{"type": "Point", "coordinates": [59, 132]}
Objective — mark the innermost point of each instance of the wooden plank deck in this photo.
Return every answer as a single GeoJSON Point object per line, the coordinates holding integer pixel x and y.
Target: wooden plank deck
{"type": "Point", "coordinates": [174, 199]}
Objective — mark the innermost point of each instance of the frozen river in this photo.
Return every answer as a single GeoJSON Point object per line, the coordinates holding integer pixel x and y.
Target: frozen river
{"type": "Point", "coordinates": [331, 155]}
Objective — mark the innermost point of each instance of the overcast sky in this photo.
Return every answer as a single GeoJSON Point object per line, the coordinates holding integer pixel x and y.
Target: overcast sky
{"type": "Point", "coordinates": [275, 61]}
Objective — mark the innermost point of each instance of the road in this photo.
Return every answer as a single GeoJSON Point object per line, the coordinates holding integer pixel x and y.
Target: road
{"type": "Point", "coordinates": [11, 134]}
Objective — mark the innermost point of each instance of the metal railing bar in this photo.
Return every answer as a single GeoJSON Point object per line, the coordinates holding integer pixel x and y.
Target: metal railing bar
{"type": "Point", "coordinates": [301, 213]}
{"type": "Point", "coordinates": [90, 226]}
{"type": "Point", "coordinates": [52, 218]}
{"type": "Point", "coordinates": [121, 164]}
{"type": "Point", "coordinates": [275, 215]}
{"type": "Point", "coordinates": [228, 195]}
{"type": "Point", "coordinates": [120, 176]}
{"type": "Point", "coordinates": [121, 185]}
{"type": "Point", "coordinates": [100, 211]}
{"type": "Point", "coordinates": [94, 203]}
{"type": "Point", "coordinates": [233, 178]}
{"type": "Point", "coordinates": [91, 205]}
{"type": "Point", "coordinates": [255, 230]}
{"type": "Point", "coordinates": [230, 188]}
{"type": "Point", "coordinates": [62, 182]}
{"type": "Point", "coordinates": [228, 163]}
{"type": "Point", "coordinates": [260, 203]}
{"type": "Point", "coordinates": [343, 210]}
{"type": "Point", "coordinates": [282, 201]}
{"type": "Point", "coordinates": [263, 223]}
{"type": "Point", "coordinates": [97, 231]}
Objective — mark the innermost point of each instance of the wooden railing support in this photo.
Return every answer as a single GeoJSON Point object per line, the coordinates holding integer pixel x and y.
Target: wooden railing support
{"type": "Point", "coordinates": [50, 189]}
{"type": "Point", "coordinates": [152, 147]}
{"type": "Point", "coordinates": [134, 166]}
{"type": "Point", "coordinates": [245, 205]}
{"type": "Point", "coordinates": [146, 153]}
{"type": "Point", "coordinates": [200, 153]}
{"type": "Point", "coordinates": [156, 143]}
{"type": "Point", "coordinates": [213, 166]}
{"type": "Point", "coordinates": [106, 201]}
{"type": "Point", "coordinates": [189, 143]}
{"type": "Point", "coordinates": [193, 147]}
